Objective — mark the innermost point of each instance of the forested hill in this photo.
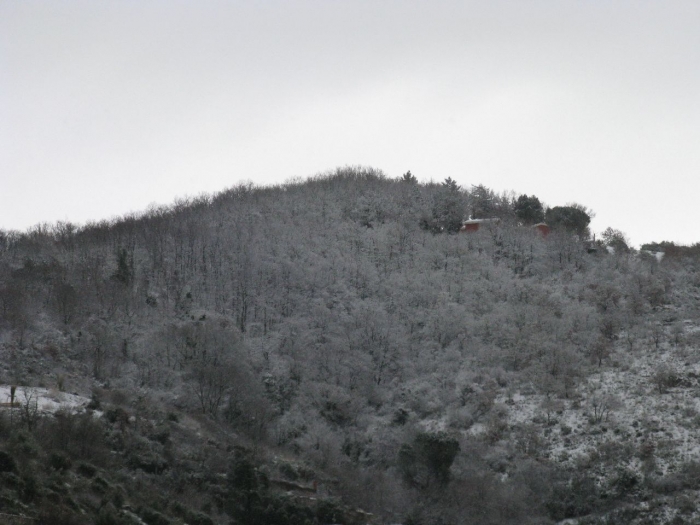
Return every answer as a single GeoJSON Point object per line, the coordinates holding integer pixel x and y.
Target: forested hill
{"type": "Point", "coordinates": [341, 333]}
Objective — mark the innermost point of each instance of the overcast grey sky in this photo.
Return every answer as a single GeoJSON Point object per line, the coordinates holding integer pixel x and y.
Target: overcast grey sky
{"type": "Point", "coordinates": [106, 107]}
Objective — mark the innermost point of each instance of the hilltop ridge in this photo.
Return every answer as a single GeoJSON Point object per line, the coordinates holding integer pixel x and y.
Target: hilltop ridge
{"type": "Point", "coordinates": [341, 333]}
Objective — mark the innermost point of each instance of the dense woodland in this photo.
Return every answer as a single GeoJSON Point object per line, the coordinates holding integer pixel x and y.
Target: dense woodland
{"type": "Point", "coordinates": [340, 333]}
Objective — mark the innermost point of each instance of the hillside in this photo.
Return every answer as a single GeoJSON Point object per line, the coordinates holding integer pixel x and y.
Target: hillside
{"type": "Point", "coordinates": [334, 350]}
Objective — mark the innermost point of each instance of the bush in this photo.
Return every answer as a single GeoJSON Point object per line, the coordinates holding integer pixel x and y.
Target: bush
{"type": "Point", "coordinates": [625, 482]}
{"type": "Point", "coordinates": [664, 378]}
{"type": "Point", "coordinates": [54, 514]}
{"type": "Point", "coordinates": [573, 498]}
{"type": "Point", "coordinates": [86, 469]}
{"type": "Point", "coordinates": [191, 517]}
{"type": "Point", "coordinates": [29, 488]}
{"type": "Point", "coordinates": [108, 516]}
{"type": "Point", "coordinates": [428, 458]}
{"type": "Point", "coordinates": [7, 462]}
{"type": "Point", "coordinates": [152, 517]}
{"type": "Point", "coordinates": [199, 518]}
{"type": "Point", "coordinates": [59, 461]}
{"type": "Point", "coordinates": [148, 462]}
{"type": "Point", "coordinates": [117, 415]}
{"type": "Point", "coordinates": [24, 445]}
{"type": "Point", "coordinates": [329, 511]}
{"type": "Point", "coordinates": [400, 417]}
{"type": "Point", "coordinates": [95, 403]}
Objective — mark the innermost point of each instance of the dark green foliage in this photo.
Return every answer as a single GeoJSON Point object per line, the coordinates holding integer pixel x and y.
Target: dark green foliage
{"type": "Point", "coordinates": [199, 518]}
{"type": "Point", "coordinates": [289, 471]}
{"type": "Point", "coordinates": [117, 415]}
{"type": "Point", "coordinates": [86, 469]}
{"type": "Point", "coordinates": [438, 451]}
{"type": "Point", "coordinates": [624, 482]}
{"type": "Point", "coordinates": [569, 218]}
{"type": "Point", "coordinates": [329, 511]}
{"type": "Point", "coordinates": [449, 209]}
{"type": "Point", "coordinates": [66, 298]}
{"type": "Point", "coordinates": [572, 498]}
{"type": "Point", "coordinates": [335, 413]}
{"type": "Point", "coordinates": [7, 462]}
{"type": "Point", "coordinates": [280, 509]}
{"type": "Point", "coordinates": [688, 478]}
{"type": "Point", "coordinates": [428, 459]}
{"type": "Point", "coordinates": [408, 463]}
{"type": "Point", "coordinates": [95, 403]}
{"type": "Point", "coordinates": [451, 185]}
{"type": "Point", "coordinates": [400, 417]}
{"type": "Point", "coordinates": [149, 462]}
{"type": "Point", "coordinates": [190, 516]}
{"type": "Point", "coordinates": [29, 487]}
{"type": "Point", "coordinates": [616, 240]}
{"type": "Point", "coordinates": [100, 485]}
{"type": "Point", "coordinates": [60, 461]}
{"type": "Point", "coordinates": [23, 445]}
{"type": "Point", "coordinates": [247, 488]}
{"type": "Point", "coordinates": [409, 178]}
{"type": "Point", "coordinates": [74, 435]}
{"type": "Point", "coordinates": [57, 514]}
{"type": "Point", "coordinates": [250, 500]}
{"type": "Point", "coordinates": [529, 209]}
{"type": "Point", "coordinates": [671, 249]}
{"type": "Point", "coordinates": [153, 517]}
{"type": "Point", "coordinates": [108, 515]}
{"type": "Point", "coordinates": [124, 271]}
{"type": "Point", "coordinates": [161, 435]}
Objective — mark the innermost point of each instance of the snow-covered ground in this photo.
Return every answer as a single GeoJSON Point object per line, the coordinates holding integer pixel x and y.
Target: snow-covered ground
{"type": "Point", "coordinates": [639, 414]}
{"type": "Point", "coordinates": [650, 431]}
{"type": "Point", "coordinates": [45, 400]}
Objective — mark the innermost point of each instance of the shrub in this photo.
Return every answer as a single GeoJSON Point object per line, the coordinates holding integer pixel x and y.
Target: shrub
{"type": "Point", "coordinates": [148, 462]}
{"type": "Point", "coordinates": [153, 517]}
{"type": "Point", "coordinates": [329, 511]}
{"type": "Point", "coordinates": [625, 482]}
{"type": "Point", "coordinates": [428, 458]}
{"type": "Point", "coordinates": [7, 462]}
{"type": "Point", "coordinates": [24, 445]}
{"type": "Point", "coordinates": [117, 415]}
{"type": "Point", "coordinates": [86, 469]}
{"type": "Point", "coordinates": [573, 498]}
{"type": "Point", "coordinates": [59, 461]}
{"type": "Point", "coordinates": [664, 378]}
{"type": "Point", "coordinates": [400, 417]}
{"type": "Point", "coordinates": [108, 516]}
{"type": "Point", "coordinates": [288, 471]}
{"type": "Point", "coordinates": [55, 514]}
{"type": "Point", "coordinates": [29, 488]}
{"type": "Point", "coordinates": [94, 403]}
{"type": "Point", "coordinates": [161, 435]}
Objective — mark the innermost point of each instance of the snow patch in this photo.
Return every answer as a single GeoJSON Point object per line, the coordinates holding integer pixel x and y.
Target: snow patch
{"type": "Point", "coordinates": [47, 401]}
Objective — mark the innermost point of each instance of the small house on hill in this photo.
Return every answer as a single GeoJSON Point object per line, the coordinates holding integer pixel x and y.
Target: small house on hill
{"type": "Point", "coordinates": [542, 228]}
{"type": "Point", "coordinates": [473, 225]}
